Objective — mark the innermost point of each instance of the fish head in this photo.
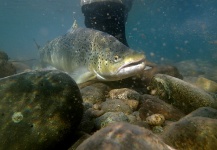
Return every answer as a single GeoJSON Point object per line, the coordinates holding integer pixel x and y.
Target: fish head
{"type": "Point", "coordinates": [116, 61]}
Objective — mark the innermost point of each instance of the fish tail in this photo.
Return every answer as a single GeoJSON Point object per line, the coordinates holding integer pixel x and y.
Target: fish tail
{"type": "Point", "coordinates": [37, 45]}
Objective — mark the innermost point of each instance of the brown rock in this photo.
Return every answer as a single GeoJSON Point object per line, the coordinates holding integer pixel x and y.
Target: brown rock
{"type": "Point", "coordinates": [124, 93]}
{"type": "Point", "coordinates": [192, 133]}
{"type": "Point", "coordinates": [203, 112]}
{"type": "Point", "coordinates": [130, 97]}
{"type": "Point", "coordinates": [155, 120]}
{"type": "Point", "coordinates": [116, 105]}
{"type": "Point", "coordinates": [153, 105]}
{"type": "Point", "coordinates": [132, 103]}
{"type": "Point", "coordinates": [206, 84]}
{"type": "Point", "coordinates": [94, 93]}
{"type": "Point", "coordinates": [123, 136]}
{"type": "Point", "coordinates": [197, 130]}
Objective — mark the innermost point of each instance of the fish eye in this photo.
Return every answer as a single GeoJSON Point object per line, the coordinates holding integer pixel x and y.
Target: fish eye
{"type": "Point", "coordinates": [116, 58]}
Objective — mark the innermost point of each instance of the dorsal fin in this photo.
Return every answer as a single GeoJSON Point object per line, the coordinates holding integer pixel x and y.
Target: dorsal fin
{"type": "Point", "coordinates": [73, 27]}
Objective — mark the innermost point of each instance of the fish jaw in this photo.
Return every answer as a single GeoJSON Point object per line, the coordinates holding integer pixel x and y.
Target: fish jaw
{"type": "Point", "coordinates": [131, 68]}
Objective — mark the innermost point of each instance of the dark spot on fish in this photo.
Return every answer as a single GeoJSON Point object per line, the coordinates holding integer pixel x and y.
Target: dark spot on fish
{"type": "Point", "coordinates": [116, 57]}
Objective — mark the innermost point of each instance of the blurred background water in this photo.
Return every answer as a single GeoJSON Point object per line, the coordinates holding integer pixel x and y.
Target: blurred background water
{"type": "Point", "coordinates": [171, 30]}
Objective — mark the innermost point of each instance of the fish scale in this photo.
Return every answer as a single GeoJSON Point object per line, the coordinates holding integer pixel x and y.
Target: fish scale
{"type": "Point", "coordinates": [88, 54]}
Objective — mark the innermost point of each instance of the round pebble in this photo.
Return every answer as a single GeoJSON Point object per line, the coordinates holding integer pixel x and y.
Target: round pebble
{"type": "Point", "coordinates": [157, 129]}
{"type": "Point", "coordinates": [155, 119]}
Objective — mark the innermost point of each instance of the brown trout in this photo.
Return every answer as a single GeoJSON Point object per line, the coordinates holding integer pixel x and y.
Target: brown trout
{"type": "Point", "coordinates": [87, 54]}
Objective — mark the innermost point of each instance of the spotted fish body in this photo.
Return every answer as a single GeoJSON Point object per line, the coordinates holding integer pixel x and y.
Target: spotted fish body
{"type": "Point", "coordinates": [88, 54]}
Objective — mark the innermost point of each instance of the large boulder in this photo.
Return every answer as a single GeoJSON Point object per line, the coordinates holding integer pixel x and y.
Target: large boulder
{"type": "Point", "coordinates": [185, 96]}
{"type": "Point", "coordinates": [39, 110]}
{"type": "Point", "coordinates": [123, 136]}
{"type": "Point", "coordinates": [195, 131]}
{"type": "Point", "coordinates": [152, 105]}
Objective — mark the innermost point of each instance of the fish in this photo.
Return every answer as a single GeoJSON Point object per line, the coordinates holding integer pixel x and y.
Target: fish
{"type": "Point", "coordinates": [88, 54]}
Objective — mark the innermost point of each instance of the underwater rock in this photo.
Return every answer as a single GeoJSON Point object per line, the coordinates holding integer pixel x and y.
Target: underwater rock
{"type": "Point", "coordinates": [194, 131]}
{"type": "Point", "coordinates": [132, 103]}
{"type": "Point", "coordinates": [136, 120]}
{"type": "Point", "coordinates": [128, 96]}
{"type": "Point", "coordinates": [197, 67]}
{"type": "Point", "coordinates": [155, 120]}
{"type": "Point", "coordinates": [21, 67]}
{"type": "Point", "coordinates": [181, 94]}
{"type": "Point", "coordinates": [203, 112]}
{"type": "Point", "coordinates": [3, 56]}
{"type": "Point", "coordinates": [6, 67]}
{"type": "Point", "coordinates": [87, 122]}
{"type": "Point", "coordinates": [94, 93]}
{"type": "Point", "coordinates": [123, 136]}
{"type": "Point", "coordinates": [39, 110]}
{"type": "Point", "coordinates": [206, 84]}
{"type": "Point", "coordinates": [124, 93]}
{"type": "Point", "coordinates": [110, 117]}
{"type": "Point", "coordinates": [153, 105]}
{"type": "Point", "coordinates": [132, 118]}
{"type": "Point", "coordinates": [115, 105]}
{"type": "Point", "coordinates": [161, 69]}
{"type": "Point", "coordinates": [82, 138]}
{"type": "Point", "coordinates": [157, 129]}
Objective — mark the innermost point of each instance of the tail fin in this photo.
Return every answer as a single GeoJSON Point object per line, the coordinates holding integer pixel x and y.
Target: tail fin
{"type": "Point", "coordinates": [37, 45]}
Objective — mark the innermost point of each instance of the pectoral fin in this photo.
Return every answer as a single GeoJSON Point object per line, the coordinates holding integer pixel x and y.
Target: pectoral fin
{"type": "Point", "coordinates": [82, 75]}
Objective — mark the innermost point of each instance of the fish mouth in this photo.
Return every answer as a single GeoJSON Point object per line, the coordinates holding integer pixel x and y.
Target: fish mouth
{"type": "Point", "coordinates": [132, 67]}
